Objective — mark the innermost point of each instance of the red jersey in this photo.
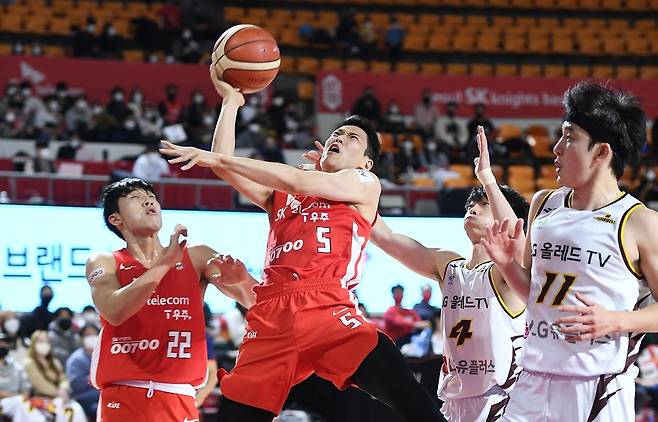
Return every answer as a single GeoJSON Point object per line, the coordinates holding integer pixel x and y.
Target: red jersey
{"type": "Point", "coordinates": [165, 341]}
{"type": "Point", "coordinates": [315, 238]}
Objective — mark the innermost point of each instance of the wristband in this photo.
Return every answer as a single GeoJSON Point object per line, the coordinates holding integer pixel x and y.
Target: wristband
{"type": "Point", "coordinates": [486, 177]}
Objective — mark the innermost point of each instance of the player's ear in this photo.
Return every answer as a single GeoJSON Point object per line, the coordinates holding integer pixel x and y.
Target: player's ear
{"type": "Point", "coordinates": [604, 151]}
{"type": "Point", "coordinates": [368, 163]}
{"type": "Point", "coordinates": [114, 219]}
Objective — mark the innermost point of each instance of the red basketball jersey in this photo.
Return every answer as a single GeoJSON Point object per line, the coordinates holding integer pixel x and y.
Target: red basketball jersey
{"type": "Point", "coordinates": [315, 238]}
{"type": "Point", "coordinates": [165, 340]}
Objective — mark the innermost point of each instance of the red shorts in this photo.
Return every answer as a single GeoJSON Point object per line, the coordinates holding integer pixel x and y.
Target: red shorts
{"type": "Point", "coordinates": [294, 330]}
{"type": "Point", "coordinates": [123, 403]}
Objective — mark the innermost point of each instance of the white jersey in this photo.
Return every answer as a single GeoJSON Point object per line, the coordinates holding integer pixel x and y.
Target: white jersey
{"type": "Point", "coordinates": [481, 337]}
{"type": "Point", "coordinates": [20, 409]}
{"type": "Point", "coordinates": [580, 251]}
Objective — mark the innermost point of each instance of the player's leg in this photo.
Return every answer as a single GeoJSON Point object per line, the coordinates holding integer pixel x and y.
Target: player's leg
{"type": "Point", "coordinates": [385, 375]}
{"type": "Point", "coordinates": [528, 399]}
{"type": "Point", "coordinates": [233, 411]}
{"type": "Point", "coordinates": [487, 407]}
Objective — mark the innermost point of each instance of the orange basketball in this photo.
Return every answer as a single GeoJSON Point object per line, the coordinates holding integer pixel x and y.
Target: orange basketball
{"type": "Point", "coordinates": [247, 57]}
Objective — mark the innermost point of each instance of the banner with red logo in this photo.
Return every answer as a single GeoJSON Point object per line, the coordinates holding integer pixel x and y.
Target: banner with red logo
{"type": "Point", "coordinates": [507, 97]}
{"type": "Point", "coordinates": [96, 78]}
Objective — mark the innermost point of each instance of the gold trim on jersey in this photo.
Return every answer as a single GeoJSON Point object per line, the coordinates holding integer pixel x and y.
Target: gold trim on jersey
{"type": "Point", "coordinates": [500, 298]}
{"type": "Point", "coordinates": [445, 269]}
{"type": "Point", "coordinates": [543, 204]}
{"type": "Point", "coordinates": [620, 238]}
{"type": "Point", "coordinates": [568, 200]}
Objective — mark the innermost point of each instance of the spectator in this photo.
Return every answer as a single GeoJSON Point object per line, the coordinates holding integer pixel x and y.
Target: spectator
{"type": "Point", "coordinates": [13, 380]}
{"type": "Point", "coordinates": [130, 131]}
{"type": "Point", "coordinates": [79, 117]}
{"type": "Point", "coordinates": [276, 112]}
{"type": "Point", "coordinates": [44, 372]}
{"type": "Point", "coordinates": [347, 36]}
{"type": "Point", "coordinates": [654, 137]}
{"type": "Point", "coordinates": [14, 335]}
{"type": "Point", "coordinates": [306, 32]}
{"type": "Point", "coordinates": [78, 368]}
{"type": "Point", "coordinates": [367, 105]}
{"type": "Point", "coordinates": [117, 106]}
{"type": "Point", "coordinates": [394, 121]}
{"type": "Point", "coordinates": [61, 336]}
{"type": "Point", "coordinates": [187, 49]}
{"type": "Point", "coordinates": [212, 380]}
{"type": "Point", "coordinates": [367, 38]}
{"type": "Point", "coordinates": [150, 165]}
{"type": "Point", "coordinates": [271, 151]}
{"type": "Point", "coordinates": [151, 123]}
{"type": "Point", "coordinates": [110, 42]}
{"type": "Point", "coordinates": [193, 116]}
{"type": "Point", "coordinates": [249, 111]}
{"type": "Point", "coordinates": [88, 316]}
{"type": "Point", "coordinates": [85, 41]}
{"type": "Point", "coordinates": [236, 324]}
{"type": "Point", "coordinates": [69, 150]}
{"type": "Point", "coordinates": [423, 308]}
{"type": "Point", "coordinates": [400, 323]}
{"type": "Point", "coordinates": [394, 39]}
{"type": "Point", "coordinates": [170, 22]}
{"type": "Point", "coordinates": [63, 97]}
{"type": "Point", "coordinates": [171, 107]}
{"type": "Point", "coordinates": [648, 189]}
{"type": "Point", "coordinates": [104, 125]}
{"type": "Point", "coordinates": [479, 119]}
{"type": "Point", "coordinates": [43, 159]}
{"type": "Point", "coordinates": [437, 334]}
{"type": "Point", "coordinates": [425, 115]}
{"type": "Point", "coordinates": [136, 104]}
{"type": "Point", "coordinates": [406, 161]}
{"type": "Point", "coordinates": [436, 162]}
{"type": "Point", "coordinates": [452, 132]}
{"type": "Point", "coordinates": [253, 137]}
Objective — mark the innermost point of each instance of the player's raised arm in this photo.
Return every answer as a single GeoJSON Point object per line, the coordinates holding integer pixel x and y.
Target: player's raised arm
{"type": "Point", "coordinates": [428, 262]}
{"type": "Point", "coordinates": [115, 303]}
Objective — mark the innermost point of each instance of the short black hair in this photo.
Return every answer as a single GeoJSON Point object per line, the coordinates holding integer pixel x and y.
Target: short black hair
{"type": "Point", "coordinates": [89, 327]}
{"type": "Point", "coordinates": [518, 203]}
{"type": "Point", "coordinates": [120, 189]}
{"type": "Point", "coordinates": [88, 308]}
{"type": "Point", "coordinates": [59, 311]}
{"type": "Point", "coordinates": [397, 287]}
{"type": "Point", "coordinates": [619, 113]}
{"type": "Point", "coordinates": [374, 146]}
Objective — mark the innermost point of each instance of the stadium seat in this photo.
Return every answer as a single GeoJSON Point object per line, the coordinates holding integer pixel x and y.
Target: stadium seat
{"type": "Point", "coordinates": [481, 69]}
{"type": "Point", "coordinates": [60, 26]}
{"type": "Point", "coordinates": [627, 72]}
{"type": "Point", "coordinates": [456, 69]}
{"type": "Point", "coordinates": [406, 67]}
{"type": "Point", "coordinates": [514, 45]}
{"type": "Point", "coordinates": [307, 65]}
{"type": "Point", "coordinates": [431, 68]}
{"type": "Point", "coordinates": [287, 64]}
{"type": "Point", "coordinates": [578, 71]}
{"type": "Point", "coordinates": [507, 131]}
{"type": "Point", "coordinates": [530, 70]}
{"type": "Point", "coordinates": [521, 177]}
{"type": "Point", "coordinates": [602, 71]}
{"type": "Point", "coordinates": [547, 177]}
{"type": "Point", "coordinates": [355, 65]}
{"type": "Point", "coordinates": [331, 64]}
{"type": "Point", "coordinates": [649, 72]}
{"type": "Point", "coordinates": [541, 146]}
{"type": "Point", "coordinates": [502, 69]}
{"type": "Point", "coordinates": [305, 90]}
{"type": "Point", "coordinates": [538, 45]}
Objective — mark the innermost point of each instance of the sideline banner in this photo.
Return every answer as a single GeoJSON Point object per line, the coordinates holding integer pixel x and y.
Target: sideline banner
{"type": "Point", "coordinates": [505, 97]}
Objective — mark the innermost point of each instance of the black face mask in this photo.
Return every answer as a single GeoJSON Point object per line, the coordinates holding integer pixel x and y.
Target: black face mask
{"type": "Point", "coordinates": [45, 300]}
{"type": "Point", "coordinates": [64, 323]}
{"type": "Point", "coordinates": [4, 351]}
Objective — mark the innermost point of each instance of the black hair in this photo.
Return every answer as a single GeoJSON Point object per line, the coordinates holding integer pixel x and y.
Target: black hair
{"type": "Point", "coordinates": [374, 146]}
{"type": "Point", "coordinates": [620, 115]}
{"type": "Point", "coordinates": [88, 326]}
{"type": "Point", "coordinates": [63, 309]}
{"type": "Point", "coordinates": [518, 203]}
{"type": "Point", "coordinates": [88, 308]}
{"type": "Point", "coordinates": [396, 287]}
{"type": "Point", "coordinates": [120, 189]}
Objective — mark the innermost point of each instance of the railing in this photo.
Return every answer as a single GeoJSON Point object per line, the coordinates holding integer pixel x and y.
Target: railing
{"type": "Point", "coordinates": [175, 193]}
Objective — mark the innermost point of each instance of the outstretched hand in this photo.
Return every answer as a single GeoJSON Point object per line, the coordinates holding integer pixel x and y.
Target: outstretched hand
{"type": "Point", "coordinates": [502, 246]}
{"type": "Point", "coordinates": [191, 156]}
{"type": "Point", "coordinates": [173, 252]}
{"type": "Point", "coordinates": [227, 271]}
{"type": "Point", "coordinates": [226, 91]}
{"type": "Point", "coordinates": [314, 156]}
{"type": "Point", "coordinates": [482, 162]}
{"type": "Point", "coordinates": [589, 322]}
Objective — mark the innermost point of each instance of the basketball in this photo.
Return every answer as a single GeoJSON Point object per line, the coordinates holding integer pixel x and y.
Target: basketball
{"type": "Point", "coordinates": [246, 57]}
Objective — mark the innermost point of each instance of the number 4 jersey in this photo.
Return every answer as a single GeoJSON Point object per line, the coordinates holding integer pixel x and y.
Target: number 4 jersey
{"type": "Point", "coordinates": [314, 238]}
{"type": "Point", "coordinates": [165, 340]}
{"type": "Point", "coordinates": [579, 251]}
{"type": "Point", "coordinates": [482, 338]}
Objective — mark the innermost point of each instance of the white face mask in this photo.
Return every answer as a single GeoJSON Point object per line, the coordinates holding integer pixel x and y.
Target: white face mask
{"type": "Point", "coordinates": [278, 101]}
{"type": "Point", "coordinates": [89, 342]}
{"type": "Point", "coordinates": [44, 153]}
{"type": "Point", "coordinates": [431, 146]}
{"type": "Point", "coordinates": [12, 325]}
{"type": "Point", "coordinates": [42, 348]}
{"type": "Point", "coordinates": [408, 146]}
{"type": "Point", "coordinates": [90, 317]}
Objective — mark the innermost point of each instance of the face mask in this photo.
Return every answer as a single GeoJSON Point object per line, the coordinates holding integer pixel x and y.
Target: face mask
{"type": "Point", "coordinates": [129, 124]}
{"type": "Point", "coordinates": [111, 31]}
{"type": "Point", "coordinates": [89, 342]}
{"type": "Point", "coordinates": [80, 104]}
{"type": "Point", "coordinates": [42, 348]}
{"type": "Point", "coordinates": [138, 97]}
{"type": "Point", "coordinates": [53, 106]}
{"type": "Point", "coordinates": [11, 326]}
{"type": "Point", "coordinates": [254, 101]}
{"type": "Point", "coordinates": [91, 28]}
{"type": "Point", "coordinates": [208, 120]}
{"type": "Point", "coordinates": [395, 109]}
{"type": "Point", "coordinates": [427, 99]}
{"type": "Point", "coordinates": [90, 317]}
{"type": "Point", "coordinates": [117, 96]}
{"type": "Point", "coordinates": [278, 101]}
{"type": "Point", "coordinates": [187, 34]}
{"type": "Point", "coordinates": [408, 146]}
{"type": "Point", "coordinates": [431, 146]}
{"type": "Point", "coordinates": [171, 95]}
{"type": "Point", "coordinates": [11, 90]}
{"type": "Point", "coordinates": [44, 153]}
{"type": "Point", "coordinates": [254, 127]}
{"type": "Point", "coordinates": [61, 93]}
{"type": "Point", "coordinates": [4, 351]}
{"type": "Point", "coordinates": [75, 143]}
{"type": "Point", "coordinates": [10, 117]}
{"type": "Point", "coordinates": [198, 99]}
{"type": "Point", "coordinates": [97, 110]}
{"type": "Point", "coordinates": [26, 92]}
{"type": "Point", "coordinates": [64, 323]}
{"type": "Point", "coordinates": [45, 299]}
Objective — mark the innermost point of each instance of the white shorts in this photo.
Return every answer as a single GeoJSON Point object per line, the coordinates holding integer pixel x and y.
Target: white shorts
{"type": "Point", "coordinates": [487, 407]}
{"type": "Point", "coordinates": [540, 397]}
